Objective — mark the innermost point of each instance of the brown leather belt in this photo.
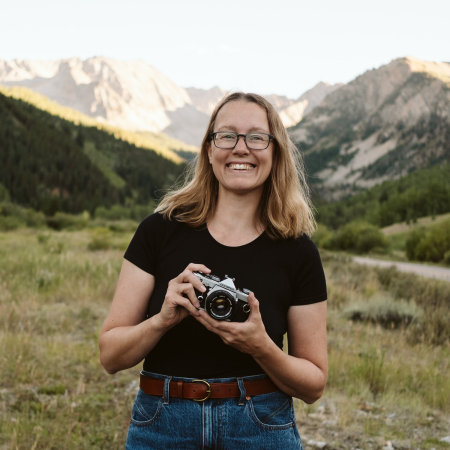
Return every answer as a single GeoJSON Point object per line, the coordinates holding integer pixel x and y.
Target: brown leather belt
{"type": "Point", "coordinates": [201, 390]}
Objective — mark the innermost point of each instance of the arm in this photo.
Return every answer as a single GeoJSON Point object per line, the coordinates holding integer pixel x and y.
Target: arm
{"type": "Point", "coordinates": [126, 337]}
{"type": "Point", "coordinates": [303, 372]}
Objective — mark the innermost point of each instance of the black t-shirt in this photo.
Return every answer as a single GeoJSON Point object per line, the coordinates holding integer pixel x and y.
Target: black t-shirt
{"type": "Point", "coordinates": [281, 273]}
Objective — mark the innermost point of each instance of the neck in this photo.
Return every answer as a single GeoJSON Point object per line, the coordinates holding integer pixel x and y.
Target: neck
{"type": "Point", "coordinates": [236, 216]}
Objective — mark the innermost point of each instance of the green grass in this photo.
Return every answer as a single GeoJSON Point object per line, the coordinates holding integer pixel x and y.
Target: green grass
{"type": "Point", "coordinates": [56, 288]}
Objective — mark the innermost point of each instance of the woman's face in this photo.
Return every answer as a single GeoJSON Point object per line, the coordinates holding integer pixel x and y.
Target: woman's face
{"type": "Point", "coordinates": [241, 170]}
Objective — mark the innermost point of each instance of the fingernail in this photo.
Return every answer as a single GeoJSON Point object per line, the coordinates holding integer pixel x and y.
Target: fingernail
{"type": "Point", "coordinates": [203, 289]}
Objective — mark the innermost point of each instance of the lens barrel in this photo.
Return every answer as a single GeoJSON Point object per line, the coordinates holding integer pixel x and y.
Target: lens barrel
{"type": "Point", "coordinates": [220, 305]}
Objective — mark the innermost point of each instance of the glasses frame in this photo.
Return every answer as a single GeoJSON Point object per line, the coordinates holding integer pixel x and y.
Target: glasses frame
{"type": "Point", "coordinates": [213, 136]}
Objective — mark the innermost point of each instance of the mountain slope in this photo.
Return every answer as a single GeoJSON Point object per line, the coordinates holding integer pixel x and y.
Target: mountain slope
{"type": "Point", "coordinates": [53, 164]}
{"type": "Point", "coordinates": [128, 94]}
{"type": "Point", "coordinates": [295, 112]}
{"type": "Point", "coordinates": [382, 125]}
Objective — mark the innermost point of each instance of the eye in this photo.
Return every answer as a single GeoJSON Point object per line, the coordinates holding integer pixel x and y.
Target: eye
{"type": "Point", "coordinates": [226, 136]}
{"type": "Point", "coordinates": [256, 137]}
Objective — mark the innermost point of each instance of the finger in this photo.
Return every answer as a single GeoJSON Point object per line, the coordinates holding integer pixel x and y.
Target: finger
{"type": "Point", "coordinates": [186, 303]}
{"type": "Point", "coordinates": [187, 276]}
{"type": "Point", "coordinates": [216, 326]}
{"type": "Point", "coordinates": [187, 291]}
{"type": "Point", "coordinates": [195, 281]}
{"type": "Point", "coordinates": [198, 268]}
{"type": "Point", "coordinates": [254, 305]}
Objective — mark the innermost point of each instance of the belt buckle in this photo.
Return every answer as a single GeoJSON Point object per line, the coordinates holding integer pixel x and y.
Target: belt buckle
{"type": "Point", "coordinates": [208, 390]}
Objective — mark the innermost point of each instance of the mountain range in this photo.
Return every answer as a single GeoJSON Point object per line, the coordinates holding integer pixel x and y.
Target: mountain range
{"type": "Point", "coordinates": [134, 96]}
{"type": "Point", "coordinates": [384, 124]}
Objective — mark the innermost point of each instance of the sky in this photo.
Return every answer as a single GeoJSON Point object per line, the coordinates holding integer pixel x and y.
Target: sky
{"type": "Point", "coordinates": [283, 47]}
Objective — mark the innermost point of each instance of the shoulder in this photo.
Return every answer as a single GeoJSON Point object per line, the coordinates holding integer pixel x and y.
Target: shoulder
{"type": "Point", "coordinates": [303, 245]}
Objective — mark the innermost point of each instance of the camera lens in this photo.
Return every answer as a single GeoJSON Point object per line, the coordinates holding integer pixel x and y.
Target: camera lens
{"type": "Point", "coordinates": [220, 305]}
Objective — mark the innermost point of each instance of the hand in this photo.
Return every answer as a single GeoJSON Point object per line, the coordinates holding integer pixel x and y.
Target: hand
{"type": "Point", "coordinates": [248, 337]}
{"type": "Point", "coordinates": [176, 307]}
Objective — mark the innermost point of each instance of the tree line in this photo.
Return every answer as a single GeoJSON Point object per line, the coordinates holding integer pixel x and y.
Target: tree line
{"type": "Point", "coordinates": [51, 164]}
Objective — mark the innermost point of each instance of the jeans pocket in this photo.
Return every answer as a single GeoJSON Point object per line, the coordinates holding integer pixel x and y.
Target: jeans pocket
{"type": "Point", "coordinates": [272, 411]}
{"type": "Point", "coordinates": [146, 409]}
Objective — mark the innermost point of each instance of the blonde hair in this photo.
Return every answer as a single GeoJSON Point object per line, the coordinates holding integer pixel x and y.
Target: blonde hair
{"type": "Point", "coordinates": [285, 207]}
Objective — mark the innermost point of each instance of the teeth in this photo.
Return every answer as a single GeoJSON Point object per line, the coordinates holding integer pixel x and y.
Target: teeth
{"type": "Point", "coordinates": [240, 166]}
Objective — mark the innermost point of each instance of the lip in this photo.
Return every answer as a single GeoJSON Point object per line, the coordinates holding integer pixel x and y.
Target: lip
{"type": "Point", "coordinates": [240, 162]}
{"type": "Point", "coordinates": [240, 171]}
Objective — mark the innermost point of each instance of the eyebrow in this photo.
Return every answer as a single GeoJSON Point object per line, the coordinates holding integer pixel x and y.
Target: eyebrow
{"type": "Point", "coordinates": [251, 130]}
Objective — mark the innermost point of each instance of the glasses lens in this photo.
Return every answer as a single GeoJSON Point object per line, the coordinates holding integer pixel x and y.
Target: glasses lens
{"type": "Point", "coordinates": [257, 141]}
{"type": "Point", "coordinates": [225, 140]}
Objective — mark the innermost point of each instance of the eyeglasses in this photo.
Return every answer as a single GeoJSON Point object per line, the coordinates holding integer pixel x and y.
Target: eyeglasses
{"type": "Point", "coordinates": [229, 140]}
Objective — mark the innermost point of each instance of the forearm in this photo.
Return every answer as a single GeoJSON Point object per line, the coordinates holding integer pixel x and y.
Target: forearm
{"type": "Point", "coordinates": [124, 347]}
{"type": "Point", "coordinates": [297, 377]}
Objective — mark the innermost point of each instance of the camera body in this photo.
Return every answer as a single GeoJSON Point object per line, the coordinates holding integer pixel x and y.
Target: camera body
{"type": "Point", "coordinates": [222, 300]}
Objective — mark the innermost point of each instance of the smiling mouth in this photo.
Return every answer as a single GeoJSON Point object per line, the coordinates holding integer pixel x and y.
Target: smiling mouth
{"type": "Point", "coordinates": [241, 167]}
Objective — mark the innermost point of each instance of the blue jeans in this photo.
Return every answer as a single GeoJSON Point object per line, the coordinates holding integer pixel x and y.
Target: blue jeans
{"type": "Point", "coordinates": [261, 422]}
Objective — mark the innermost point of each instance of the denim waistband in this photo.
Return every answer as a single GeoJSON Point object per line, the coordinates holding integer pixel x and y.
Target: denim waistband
{"type": "Point", "coordinates": [209, 380]}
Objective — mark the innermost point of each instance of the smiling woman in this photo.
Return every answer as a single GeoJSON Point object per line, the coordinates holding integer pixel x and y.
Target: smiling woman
{"type": "Point", "coordinates": [214, 367]}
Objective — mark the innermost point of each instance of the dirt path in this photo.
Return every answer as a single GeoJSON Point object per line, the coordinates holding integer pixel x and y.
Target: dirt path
{"type": "Point", "coordinates": [420, 269]}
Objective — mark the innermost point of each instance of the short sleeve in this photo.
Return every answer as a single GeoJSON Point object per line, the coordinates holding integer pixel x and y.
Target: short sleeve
{"type": "Point", "coordinates": [145, 245]}
{"type": "Point", "coordinates": [309, 277]}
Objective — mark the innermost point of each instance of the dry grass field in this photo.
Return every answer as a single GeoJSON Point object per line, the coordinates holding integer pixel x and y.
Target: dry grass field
{"type": "Point", "coordinates": [389, 379]}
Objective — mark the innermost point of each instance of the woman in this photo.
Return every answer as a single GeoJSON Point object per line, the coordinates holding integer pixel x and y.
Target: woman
{"type": "Point", "coordinates": [210, 383]}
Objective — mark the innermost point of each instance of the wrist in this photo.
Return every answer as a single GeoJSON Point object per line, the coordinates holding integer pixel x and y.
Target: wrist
{"type": "Point", "coordinates": [159, 325]}
{"type": "Point", "coordinates": [263, 348]}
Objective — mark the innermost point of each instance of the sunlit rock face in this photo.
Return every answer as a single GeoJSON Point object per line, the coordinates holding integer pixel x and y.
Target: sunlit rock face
{"type": "Point", "coordinates": [129, 94]}
{"type": "Point", "coordinates": [382, 125]}
{"type": "Point", "coordinates": [135, 96]}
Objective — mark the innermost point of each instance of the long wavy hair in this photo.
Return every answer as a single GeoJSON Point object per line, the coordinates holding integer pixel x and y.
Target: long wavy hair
{"type": "Point", "coordinates": [285, 208]}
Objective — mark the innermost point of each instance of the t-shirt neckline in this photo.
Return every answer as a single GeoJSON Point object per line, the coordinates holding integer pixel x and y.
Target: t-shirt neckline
{"type": "Point", "coordinates": [237, 246]}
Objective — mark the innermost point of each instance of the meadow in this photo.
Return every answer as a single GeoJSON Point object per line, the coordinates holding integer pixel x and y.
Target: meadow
{"type": "Point", "coordinates": [389, 350]}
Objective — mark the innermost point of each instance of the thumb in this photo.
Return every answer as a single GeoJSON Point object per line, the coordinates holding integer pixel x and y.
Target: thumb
{"type": "Point", "coordinates": [254, 305]}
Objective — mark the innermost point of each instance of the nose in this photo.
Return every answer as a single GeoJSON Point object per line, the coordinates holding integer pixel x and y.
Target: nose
{"type": "Point", "coordinates": [240, 147]}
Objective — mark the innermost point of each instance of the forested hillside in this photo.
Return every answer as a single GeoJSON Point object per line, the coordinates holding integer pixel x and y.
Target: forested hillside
{"type": "Point", "coordinates": [52, 164]}
{"type": "Point", "coordinates": [422, 193]}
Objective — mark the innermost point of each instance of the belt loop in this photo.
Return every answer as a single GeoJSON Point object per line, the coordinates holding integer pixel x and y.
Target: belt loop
{"type": "Point", "coordinates": [166, 395]}
{"type": "Point", "coordinates": [242, 389]}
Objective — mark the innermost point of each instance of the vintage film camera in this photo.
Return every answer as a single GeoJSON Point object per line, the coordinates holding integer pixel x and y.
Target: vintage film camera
{"type": "Point", "coordinates": [222, 300]}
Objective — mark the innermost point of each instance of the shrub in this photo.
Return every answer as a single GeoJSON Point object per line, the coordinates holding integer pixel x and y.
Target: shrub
{"type": "Point", "coordinates": [431, 245]}
{"type": "Point", "coordinates": [447, 258]}
{"type": "Point", "coordinates": [100, 239]}
{"type": "Point", "coordinates": [322, 235]}
{"type": "Point", "coordinates": [384, 310]}
{"type": "Point", "coordinates": [117, 212]}
{"type": "Point", "coordinates": [357, 236]}
{"type": "Point", "coordinates": [13, 216]}
{"type": "Point", "coordinates": [63, 221]}
{"type": "Point", "coordinates": [10, 223]}
{"type": "Point", "coordinates": [413, 241]}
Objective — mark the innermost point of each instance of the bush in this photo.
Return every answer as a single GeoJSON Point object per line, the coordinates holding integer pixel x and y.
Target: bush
{"type": "Point", "coordinates": [322, 235]}
{"type": "Point", "coordinates": [14, 216]}
{"type": "Point", "coordinates": [4, 194]}
{"type": "Point", "coordinates": [11, 223]}
{"type": "Point", "coordinates": [447, 258]}
{"type": "Point", "coordinates": [384, 310]}
{"type": "Point", "coordinates": [413, 241]}
{"type": "Point", "coordinates": [119, 212]}
{"type": "Point", "coordinates": [63, 221]}
{"type": "Point", "coordinates": [357, 236]}
{"type": "Point", "coordinates": [100, 239]}
{"type": "Point", "coordinates": [432, 245]}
